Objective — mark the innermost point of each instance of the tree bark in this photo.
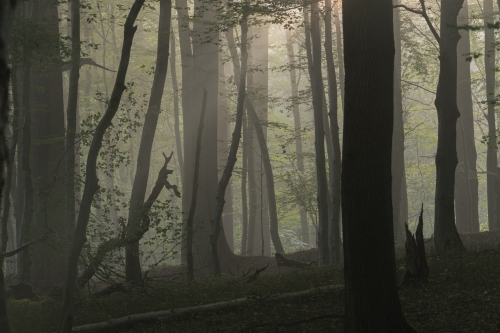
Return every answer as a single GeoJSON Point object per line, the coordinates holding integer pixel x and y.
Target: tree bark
{"type": "Point", "coordinates": [244, 201]}
{"type": "Point", "coordinates": [132, 262]}
{"type": "Point", "coordinates": [334, 228]}
{"type": "Point", "coordinates": [492, 150]}
{"type": "Point", "coordinates": [445, 232]}
{"type": "Point", "coordinates": [398, 137]}
{"type": "Point", "coordinates": [304, 228]}
{"type": "Point", "coordinates": [371, 296]}
{"type": "Point", "coordinates": [319, 137]}
{"type": "Point", "coordinates": [251, 170]}
{"type": "Point", "coordinates": [91, 181]}
{"type": "Point", "coordinates": [233, 151]}
{"type": "Point", "coordinates": [175, 87]}
{"type": "Point", "coordinates": [340, 53]}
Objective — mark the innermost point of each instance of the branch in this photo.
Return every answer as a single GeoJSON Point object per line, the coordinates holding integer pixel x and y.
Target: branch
{"type": "Point", "coordinates": [23, 247]}
{"type": "Point", "coordinates": [84, 61]}
{"type": "Point", "coordinates": [423, 13]}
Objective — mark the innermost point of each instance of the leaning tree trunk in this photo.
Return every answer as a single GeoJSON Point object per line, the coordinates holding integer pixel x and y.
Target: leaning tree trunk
{"type": "Point", "coordinates": [371, 295]}
{"type": "Point", "coordinates": [445, 232]}
{"type": "Point", "coordinates": [491, 154]}
{"type": "Point", "coordinates": [233, 151]}
{"type": "Point", "coordinates": [319, 137]}
{"type": "Point", "coordinates": [91, 181]}
{"type": "Point", "coordinates": [266, 161]}
{"type": "Point", "coordinates": [132, 262]}
{"type": "Point", "coordinates": [71, 112]}
{"type": "Point", "coordinates": [334, 229]}
{"type": "Point", "coordinates": [304, 228]}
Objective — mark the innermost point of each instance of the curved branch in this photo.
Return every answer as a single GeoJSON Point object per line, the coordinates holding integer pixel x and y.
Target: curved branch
{"type": "Point", "coordinates": [423, 13]}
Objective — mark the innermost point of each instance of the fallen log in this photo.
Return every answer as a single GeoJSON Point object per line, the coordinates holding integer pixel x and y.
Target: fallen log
{"type": "Point", "coordinates": [282, 261]}
{"type": "Point", "coordinates": [173, 313]}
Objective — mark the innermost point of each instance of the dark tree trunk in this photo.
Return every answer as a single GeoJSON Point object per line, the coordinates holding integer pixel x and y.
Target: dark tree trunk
{"type": "Point", "coordinates": [334, 228]}
{"type": "Point", "coordinates": [233, 151]}
{"type": "Point", "coordinates": [398, 137]}
{"type": "Point", "coordinates": [319, 137]}
{"type": "Point", "coordinates": [91, 181]}
{"type": "Point", "coordinates": [466, 183]}
{"type": "Point", "coordinates": [71, 115]}
{"type": "Point", "coordinates": [445, 232]}
{"type": "Point", "coordinates": [132, 262]}
{"type": "Point", "coordinates": [304, 228]}
{"type": "Point", "coordinates": [491, 154]}
{"type": "Point", "coordinates": [372, 301]}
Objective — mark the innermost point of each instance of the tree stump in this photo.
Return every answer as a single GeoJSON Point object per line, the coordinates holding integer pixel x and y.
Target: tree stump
{"type": "Point", "coordinates": [416, 262]}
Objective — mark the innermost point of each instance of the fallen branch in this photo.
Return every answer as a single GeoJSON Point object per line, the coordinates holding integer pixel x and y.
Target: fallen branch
{"type": "Point", "coordinates": [173, 313]}
{"type": "Point", "coordinates": [282, 261]}
{"type": "Point", "coordinates": [254, 276]}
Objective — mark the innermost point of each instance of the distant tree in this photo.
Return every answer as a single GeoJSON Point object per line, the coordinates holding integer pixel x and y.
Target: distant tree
{"type": "Point", "coordinates": [371, 295]}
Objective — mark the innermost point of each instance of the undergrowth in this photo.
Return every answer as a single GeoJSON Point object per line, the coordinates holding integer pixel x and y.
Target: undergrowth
{"type": "Point", "coordinates": [463, 295]}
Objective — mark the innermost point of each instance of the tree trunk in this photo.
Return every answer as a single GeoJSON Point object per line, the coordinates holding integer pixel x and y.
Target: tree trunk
{"type": "Point", "coordinates": [466, 183]}
{"type": "Point", "coordinates": [266, 161]}
{"type": "Point", "coordinates": [233, 151]}
{"type": "Point", "coordinates": [340, 53]}
{"type": "Point", "coordinates": [304, 228]}
{"type": "Point", "coordinates": [175, 87]}
{"type": "Point", "coordinates": [71, 112]}
{"type": "Point", "coordinates": [244, 201]}
{"type": "Point", "coordinates": [398, 136]}
{"type": "Point", "coordinates": [445, 232]}
{"type": "Point", "coordinates": [334, 228]}
{"type": "Point", "coordinates": [319, 137]}
{"type": "Point", "coordinates": [132, 262]}
{"type": "Point", "coordinates": [251, 170]}
{"type": "Point", "coordinates": [91, 181]}
{"type": "Point", "coordinates": [491, 154]}
{"type": "Point", "coordinates": [372, 301]}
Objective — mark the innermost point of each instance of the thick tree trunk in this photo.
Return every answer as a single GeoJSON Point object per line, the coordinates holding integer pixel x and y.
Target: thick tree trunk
{"type": "Point", "coordinates": [91, 181]}
{"type": "Point", "coordinates": [292, 63]}
{"type": "Point", "coordinates": [334, 228]}
{"type": "Point", "coordinates": [319, 137]}
{"type": "Point", "coordinates": [372, 301]}
{"type": "Point", "coordinates": [233, 151]}
{"type": "Point", "coordinates": [466, 183]}
{"type": "Point", "coordinates": [445, 232]}
{"type": "Point", "coordinates": [132, 262]}
{"type": "Point", "coordinates": [71, 115]}
{"type": "Point", "coordinates": [491, 154]}
{"type": "Point", "coordinates": [398, 136]}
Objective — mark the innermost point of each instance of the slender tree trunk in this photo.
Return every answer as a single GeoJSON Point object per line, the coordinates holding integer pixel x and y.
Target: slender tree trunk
{"type": "Point", "coordinates": [319, 137]}
{"type": "Point", "coordinates": [340, 53]}
{"type": "Point", "coordinates": [233, 151]}
{"type": "Point", "coordinates": [70, 213]}
{"type": "Point", "coordinates": [445, 232]}
{"type": "Point", "coordinates": [334, 228]}
{"type": "Point", "coordinates": [91, 181]}
{"type": "Point", "coordinates": [491, 154]}
{"type": "Point", "coordinates": [371, 295]}
{"type": "Point", "coordinates": [132, 262]}
{"type": "Point", "coordinates": [398, 136]}
{"type": "Point", "coordinates": [304, 228]}
{"type": "Point", "coordinates": [251, 170]}
{"type": "Point", "coordinates": [244, 201]}
{"type": "Point", "coordinates": [175, 86]}
{"type": "Point", "coordinates": [466, 183]}
{"type": "Point", "coordinates": [266, 161]}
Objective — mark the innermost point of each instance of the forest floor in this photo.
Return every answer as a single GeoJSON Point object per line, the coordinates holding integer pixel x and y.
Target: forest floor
{"type": "Point", "coordinates": [462, 295]}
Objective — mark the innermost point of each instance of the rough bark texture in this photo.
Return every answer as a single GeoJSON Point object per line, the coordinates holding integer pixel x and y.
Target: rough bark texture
{"type": "Point", "coordinates": [319, 135]}
{"type": "Point", "coordinates": [233, 151]}
{"type": "Point", "coordinates": [132, 262]}
{"type": "Point", "coordinates": [491, 154]}
{"type": "Point", "coordinates": [304, 228]}
{"type": "Point", "coordinates": [372, 301]}
{"type": "Point", "coordinates": [445, 232]}
{"type": "Point", "coordinates": [91, 181]}
{"type": "Point", "coordinates": [334, 228]}
{"type": "Point", "coordinates": [398, 137]}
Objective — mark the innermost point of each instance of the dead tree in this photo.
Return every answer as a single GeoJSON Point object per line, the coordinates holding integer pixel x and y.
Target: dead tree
{"type": "Point", "coordinates": [416, 262]}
